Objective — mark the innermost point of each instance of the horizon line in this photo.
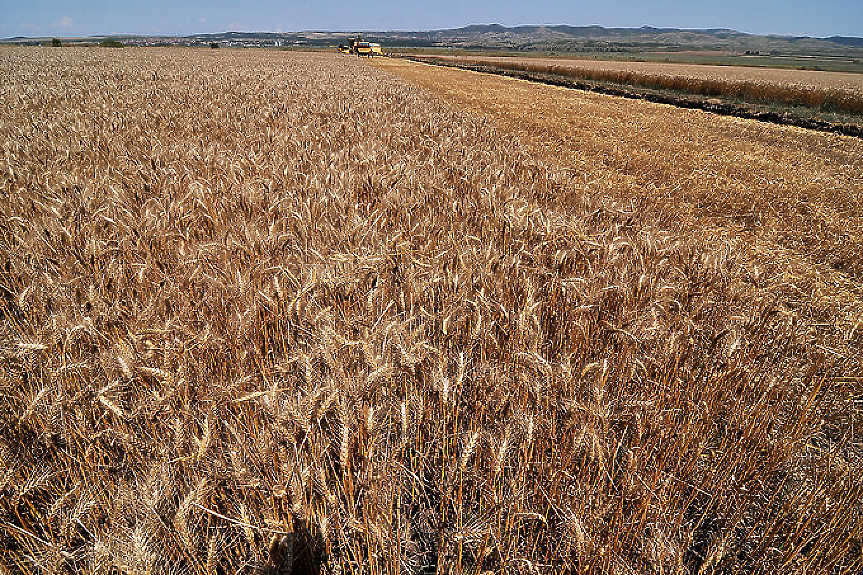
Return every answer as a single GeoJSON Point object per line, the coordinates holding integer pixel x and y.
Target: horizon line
{"type": "Point", "coordinates": [405, 30]}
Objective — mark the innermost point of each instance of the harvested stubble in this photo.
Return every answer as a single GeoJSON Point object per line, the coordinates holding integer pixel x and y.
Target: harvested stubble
{"type": "Point", "coordinates": [253, 294]}
{"type": "Point", "coordinates": [830, 91]}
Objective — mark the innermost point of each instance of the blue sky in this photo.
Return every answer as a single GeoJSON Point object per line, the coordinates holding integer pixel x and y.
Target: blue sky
{"type": "Point", "coordinates": [92, 17]}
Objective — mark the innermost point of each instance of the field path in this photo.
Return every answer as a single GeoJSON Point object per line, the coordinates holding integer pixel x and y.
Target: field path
{"type": "Point", "coordinates": [795, 196]}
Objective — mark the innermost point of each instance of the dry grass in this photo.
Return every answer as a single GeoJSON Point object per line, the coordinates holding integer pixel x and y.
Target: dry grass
{"type": "Point", "coordinates": [287, 312]}
{"type": "Point", "coordinates": [829, 91]}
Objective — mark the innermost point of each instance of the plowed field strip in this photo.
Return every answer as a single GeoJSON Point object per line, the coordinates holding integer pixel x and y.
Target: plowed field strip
{"type": "Point", "coordinates": [794, 195]}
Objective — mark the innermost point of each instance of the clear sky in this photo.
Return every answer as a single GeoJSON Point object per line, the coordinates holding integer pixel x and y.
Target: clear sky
{"type": "Point", "coordinates": [94, 17]}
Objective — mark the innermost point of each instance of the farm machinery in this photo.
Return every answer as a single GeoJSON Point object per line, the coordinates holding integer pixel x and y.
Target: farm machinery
{"type": "Point", "coordinates": [360, 47]}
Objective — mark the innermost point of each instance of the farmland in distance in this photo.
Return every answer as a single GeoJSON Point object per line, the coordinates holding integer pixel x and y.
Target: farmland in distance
{"type": "Point", "coordinates": [301, 313]}
{"type": "Point", "coordinates": [804, 79]}
{"type": "Point", "coordinates": [832, 95]}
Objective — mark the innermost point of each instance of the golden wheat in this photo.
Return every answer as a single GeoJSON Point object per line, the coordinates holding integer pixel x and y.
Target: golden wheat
{"type": "Point", "coordinates": [283, 311]}
{"type": "Point", "coordinates": [832, 91]}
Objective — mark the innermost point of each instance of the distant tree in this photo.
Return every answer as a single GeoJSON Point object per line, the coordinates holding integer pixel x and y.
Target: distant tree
{"type": "Point", "coordinates": [56, 42]}
{"type": "Point", "coordinates": [106, 43]}
{"type": "Point", "coordinates": [214, 44]}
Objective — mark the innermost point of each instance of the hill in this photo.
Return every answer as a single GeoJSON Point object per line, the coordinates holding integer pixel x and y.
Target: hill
{"type": "Point", "coordinates": [558, 38]}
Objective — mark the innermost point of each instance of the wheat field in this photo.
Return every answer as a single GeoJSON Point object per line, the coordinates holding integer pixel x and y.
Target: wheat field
{"type": "Point", "coordinates": [281, 312]}
{"type": "Point", "coordinates": [788, 198]}
{"type": "Point", "coordinates": [804, 79]}
{"type": "Point", "coordinates": [832, 91]}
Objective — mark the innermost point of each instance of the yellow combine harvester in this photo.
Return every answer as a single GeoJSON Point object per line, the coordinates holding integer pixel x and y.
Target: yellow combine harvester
{"type": "Point", "coordinates": [361, 48]}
